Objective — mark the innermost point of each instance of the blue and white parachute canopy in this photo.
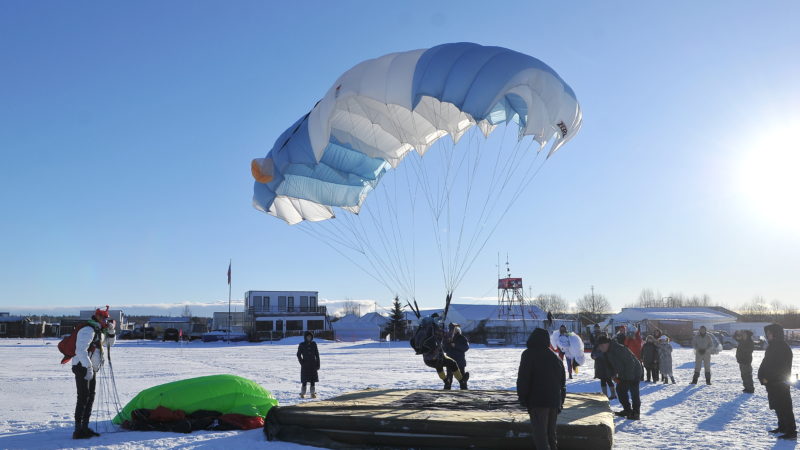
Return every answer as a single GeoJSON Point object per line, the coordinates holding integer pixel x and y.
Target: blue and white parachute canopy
{"type": "Point", "coordinates": [383, 108]}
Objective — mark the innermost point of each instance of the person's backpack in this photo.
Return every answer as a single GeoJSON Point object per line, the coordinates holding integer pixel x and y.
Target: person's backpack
{"type": "Point", "coordinates": [67, 345]}
{"type": "Point", "coordinates": [424, 339]}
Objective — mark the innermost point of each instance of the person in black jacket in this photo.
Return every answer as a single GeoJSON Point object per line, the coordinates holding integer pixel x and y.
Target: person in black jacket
{"type": "Point", "coordinates": [774, 373]}
{"type": "Point", "coordinates": [308, 356]}
{"type": "Point", "coordinates": [650, 359]}
{"type": "Point", "coordinates": [541, 388]}
{"type": "Point", "coordinates": [744, 356]}
{"type": "Point", "coordinates": [602, 370]}
{"type": "Point", "coordinates": [629, 372]}
{"type": "Point", "coordinates": [456, 345]}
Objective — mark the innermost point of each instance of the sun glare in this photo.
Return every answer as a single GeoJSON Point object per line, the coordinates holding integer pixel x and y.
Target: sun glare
{"type": "Point", "coordinates": [769, 177]}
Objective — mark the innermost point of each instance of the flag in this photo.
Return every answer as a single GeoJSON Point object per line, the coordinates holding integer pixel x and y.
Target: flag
{"type": "Point", "coordinates": [229, 274]}
{"type": "Point", "coordinates": [180, 332]}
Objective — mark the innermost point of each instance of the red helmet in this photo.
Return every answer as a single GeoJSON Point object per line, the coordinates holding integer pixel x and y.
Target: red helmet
{"type": "Point", "coordinates": [101, 313]}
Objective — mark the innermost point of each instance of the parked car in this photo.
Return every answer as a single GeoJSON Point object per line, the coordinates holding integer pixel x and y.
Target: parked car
{"type": "Point", "coordinates": [125, 334]}
{"type": "Point", "coordinates": [143, 333]}
{"type": "Point", "coordinates": [727, 341]}
{"type": "Point", "coordinates": [171, 334]}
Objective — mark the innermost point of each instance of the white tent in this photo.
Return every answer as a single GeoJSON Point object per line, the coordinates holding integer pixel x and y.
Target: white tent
{"type": "Point", "coordinates": [351, 328]}
{"type": "Point", "coordinates": [699, 316]}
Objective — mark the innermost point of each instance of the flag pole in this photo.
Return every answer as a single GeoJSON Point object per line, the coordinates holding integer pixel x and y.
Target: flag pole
{"type": "Point", "coordinates": [230, 262]}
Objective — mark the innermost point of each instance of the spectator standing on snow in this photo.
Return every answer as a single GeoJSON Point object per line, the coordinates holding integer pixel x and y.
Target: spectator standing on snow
{"type": "Point", "coordinates": [541, 388]}
{"type": "Point", "coordinates": [665, 359]}
{"type": "Point", "coordinates": [456, 345]}
{"type": "Point", "coordinates": [620, 336]}
{"type": "Point", "coordinates": [634, 342]}
{"type": "Point", "coordinates": [744, 356]}
{"type": "Point", "coordinates": [702, 344]}
{"type": "Point", "coordinates": [308, 356]}
{"type": "Point", "coordinates": [650, 359]}
{"type": "Point", "coordinates": [91, 341]}
{"type": "Point", "coordinates": [596, 333]}
{"type": "Point", "coordinates": [628, 371]}
{"type": "Point", "coordinates": [774, 373]}
{"type": "Point", "coordinates": [602, 370]}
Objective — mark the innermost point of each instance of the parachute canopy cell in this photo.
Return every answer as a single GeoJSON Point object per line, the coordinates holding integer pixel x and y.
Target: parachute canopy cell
{"type": "Point", "coordinates": [383, 108]}
{"type": "Point", "coordinates": [227, 394]}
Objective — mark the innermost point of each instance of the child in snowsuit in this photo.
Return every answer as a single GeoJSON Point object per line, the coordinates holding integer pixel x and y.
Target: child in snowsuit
{"type": "Point", "coordinates": [665, 359]}
{"type": "Point", "coordinates": [774, 373]}
{"type": "Point", "coordinates": [744, 356]}
{"type": "Point", "coordinates": [308, 356]}
{"type": "Point", "coordinates": [650, 359]}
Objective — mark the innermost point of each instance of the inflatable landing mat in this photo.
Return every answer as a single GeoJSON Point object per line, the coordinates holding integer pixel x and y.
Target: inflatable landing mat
{"type": "Point", "coordinates": [415, 418]}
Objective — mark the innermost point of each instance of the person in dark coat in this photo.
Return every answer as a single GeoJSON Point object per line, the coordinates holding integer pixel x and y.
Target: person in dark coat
{"type": "Point", "coordinates": [650, 359]}
{"type": "Point", "coordinates": [628, 370]}
{"type": "Point", "coordinates": [621, 335]}
{"type": "Point", "coordinates": [308, 356]}
{"type": "Point", "coordinates": [455, 347]}
{"type": "Point", "coordinates": [774, 373]}
{"type": "Point", "coordinates": [541, 388]}
{"type": "Point", "coordinates": [602, 370]}
{"type": "Point", "coordinates": [744, 356]}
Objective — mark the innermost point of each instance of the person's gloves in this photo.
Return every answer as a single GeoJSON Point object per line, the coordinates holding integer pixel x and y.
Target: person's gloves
{"type": "Point", "coordinates": [89, 374]}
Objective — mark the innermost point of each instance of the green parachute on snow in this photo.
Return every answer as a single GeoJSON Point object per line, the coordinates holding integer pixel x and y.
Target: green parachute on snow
{"type": "Point", "coordinates": [227, 394]}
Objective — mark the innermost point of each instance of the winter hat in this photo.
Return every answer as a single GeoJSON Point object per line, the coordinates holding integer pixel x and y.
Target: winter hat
{"type": "Point", "coordinates": [539, 339]}
{"type": "Point", "coordinates": [663, 338]}
{"type": "Point", "coordinates": [101, 313]}
{"type": "Point", "coordinates": [603, 340]}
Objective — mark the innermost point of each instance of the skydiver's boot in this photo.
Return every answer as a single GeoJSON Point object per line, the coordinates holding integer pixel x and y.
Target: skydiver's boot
{"type": "Point", "coordinates": [463, 382]}
{"type": "Point", "coordinates": [79, 432]}
{"type": "Point", "coordinates": [708, 377]}
{"type": "Point", "coordinates": [444, 378]}
{"type": "Point", "coordinates": [303, 391]}
{"type": "Point", "coordinates": [695, 377]}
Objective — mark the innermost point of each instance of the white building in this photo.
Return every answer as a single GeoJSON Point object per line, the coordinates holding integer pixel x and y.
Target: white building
{"type": "Point", "coordinates": [699, 316]}
{"type": "Point", "coordinates": [276, 314]}
{"type": "Point", "coordinates": [351, 328]}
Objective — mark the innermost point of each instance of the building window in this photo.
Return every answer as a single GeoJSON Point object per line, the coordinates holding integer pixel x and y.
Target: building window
{"type": "Point", "coordinates": [290, 306]}
{"type": "Point", "coordinates": [257, 303]}
{"type": "Point", "coordinates": [294, 325]}
{"type": "Point", "coordinates": [313, 303]}
{"type": "Point", "coordinates": [316, 325]}
{"type": "Point", "coordinates": [266, 303]}
{"type": "Point", "coordinates": [303, 303]}
{"type": "Point", "coordinates": [281, 303]}
{"type": "Point", "coordinates": [2, 328]}
{"type": "Point", "coordinates": [265, 325]}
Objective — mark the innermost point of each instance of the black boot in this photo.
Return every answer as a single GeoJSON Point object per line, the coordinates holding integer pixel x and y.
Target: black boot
{"type": "Point", "coordinates": [708, 377]}
{"type": "Point", "coordinates": [463, 383]}
{"type": "Point", "coordinates": [634, 415]}
{"type": "Point", "coordinates": [80, 431]}
{"type": "Point", "coordinates": [695, 377]}
{"type": "Point", "coordinates": [791, 435]}
{"type": "Point", "coordinates": [623, 413]}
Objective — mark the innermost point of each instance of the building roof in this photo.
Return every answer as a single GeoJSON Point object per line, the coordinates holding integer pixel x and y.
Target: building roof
{"type": "Point", "coordinates": [695, 314]}
{"type": "Point", "coordinates": [12, 318]}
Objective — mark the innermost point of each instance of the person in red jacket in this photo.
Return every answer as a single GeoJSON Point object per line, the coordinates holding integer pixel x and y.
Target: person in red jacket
{"type": "Point", "coordinates": [634, 342]}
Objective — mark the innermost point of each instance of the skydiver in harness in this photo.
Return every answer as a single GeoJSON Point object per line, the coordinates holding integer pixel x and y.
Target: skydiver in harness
{"type": "Point", "coordinates": [428, 341]}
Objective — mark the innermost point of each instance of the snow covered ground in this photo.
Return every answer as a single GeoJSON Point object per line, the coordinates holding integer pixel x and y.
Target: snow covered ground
{"type": "Point", "coordinates": [37, 394]}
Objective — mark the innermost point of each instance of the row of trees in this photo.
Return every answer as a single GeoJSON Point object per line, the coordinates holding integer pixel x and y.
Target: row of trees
{"type": "Point", "coordinates": [649, 298]}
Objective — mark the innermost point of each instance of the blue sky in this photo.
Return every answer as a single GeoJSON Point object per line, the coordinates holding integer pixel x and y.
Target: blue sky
{"type": "Point", "coordinates": [127, 129]}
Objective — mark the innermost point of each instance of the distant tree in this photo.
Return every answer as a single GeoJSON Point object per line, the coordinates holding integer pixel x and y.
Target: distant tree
{"type": "Point", "coordinates": [351, 307]}
{"type": "Point", "coordinates": [396, 327]}
{"type": "Point", "coordinates": [553, 303]}
{"type": "Point", "coordinates": [593, 306]}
